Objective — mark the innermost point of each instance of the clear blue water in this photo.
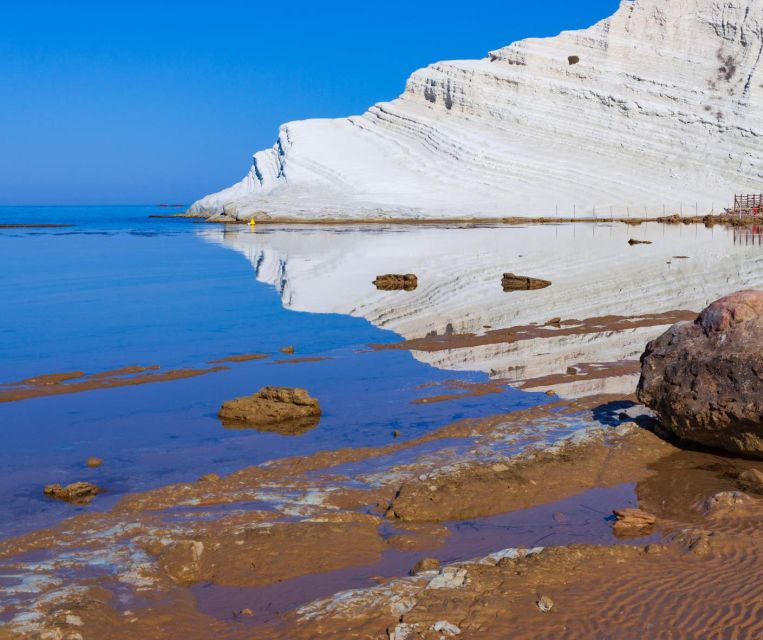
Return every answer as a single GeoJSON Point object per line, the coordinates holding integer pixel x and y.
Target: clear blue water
{"type": "Point", "coordinates": [120, 289]}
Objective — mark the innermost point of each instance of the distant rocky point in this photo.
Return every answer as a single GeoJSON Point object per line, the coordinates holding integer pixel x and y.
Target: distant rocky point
{"type": "Point", "coordinates": [657, 109]}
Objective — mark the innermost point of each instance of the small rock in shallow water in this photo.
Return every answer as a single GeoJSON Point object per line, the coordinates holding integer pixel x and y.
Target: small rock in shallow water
{"type": "Point", "coordinates": [288, 350]}
{"type": "Point", "coordinates": [246, 612]}
{"type": "Point", "coordinates": [632, 242]}
{"type": "Point", "coordinates": [633, 522]}
{"type": "Point", "coordinates": [271, 406]}
{"type": "Point", "coordinates": [396, 282]}
{"type": "Point", "coordinates": [427, 564]}
{"type": "Point", "coordinates": [210, 477]}
{"type": "Point", "coordinates": [76, 493]}
{"type": "Point", "coordinates": [544, 604]}
{"type": "Point", "coordinates": [93, 462]}
{"type": "Point", "coordinates": [513, 282]}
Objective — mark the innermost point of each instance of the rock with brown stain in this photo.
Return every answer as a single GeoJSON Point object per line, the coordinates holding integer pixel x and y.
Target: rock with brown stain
{"type": "Point", "coordinates": [94, 462]}
{"type": "Point", "coordinates": [705, 379]}
{"type": "Point", "coordinates": [633, 522]}
{"type": "Point", "coordinates": [76, 493]}
{"type": "Point", "coordinates": [396, 282]}
{"type": "Point", "coordinates": [273, 409]}
{"type": "Point", "coordinates": [513, 282]}
{"type": "Point", "coordinates": [288, 350]}
{"type": "Point", "coordinates": [425, 565]}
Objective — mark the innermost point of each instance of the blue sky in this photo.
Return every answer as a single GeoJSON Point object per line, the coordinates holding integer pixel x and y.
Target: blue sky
{"type": "Point", "coordinates": [147, 102]}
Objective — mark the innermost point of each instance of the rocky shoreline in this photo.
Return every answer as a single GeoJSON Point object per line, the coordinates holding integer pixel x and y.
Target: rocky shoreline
{"type": "Point", "coordinates": [264, 550]}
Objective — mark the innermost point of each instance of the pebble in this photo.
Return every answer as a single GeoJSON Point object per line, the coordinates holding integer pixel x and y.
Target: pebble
{"type": "Point", "coordinates": [446, 628]}
{"type": "Point", "coordinates": [401, 632]}
{"type": "Point", "coordinates": [94, 462]}
{"type": "Point", "coordinates": [545, 604]}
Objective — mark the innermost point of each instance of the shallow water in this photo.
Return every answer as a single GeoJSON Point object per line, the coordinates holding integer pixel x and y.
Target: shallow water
{"type": "Point", "coordinates": [119, 289]}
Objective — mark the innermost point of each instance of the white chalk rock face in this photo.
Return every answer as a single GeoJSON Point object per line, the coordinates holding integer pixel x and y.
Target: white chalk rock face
{"type": "Point", "coordinates": [655, 109]}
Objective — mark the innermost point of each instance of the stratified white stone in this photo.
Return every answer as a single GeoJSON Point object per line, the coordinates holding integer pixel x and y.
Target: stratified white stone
{"type": "Point", "coordinates": [449, 578]}
{"type": "Point", "coordinates": [657, 108]}
{"type": "Point", "coordinates": [446, 628]}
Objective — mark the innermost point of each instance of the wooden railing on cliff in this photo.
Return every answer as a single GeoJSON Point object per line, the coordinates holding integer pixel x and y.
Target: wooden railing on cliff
{"type": "Point", "coordinates": [748, 205]}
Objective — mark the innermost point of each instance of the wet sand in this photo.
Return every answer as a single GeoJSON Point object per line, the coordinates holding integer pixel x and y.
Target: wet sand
{"type": "Point", "coordinates": [77, 381]}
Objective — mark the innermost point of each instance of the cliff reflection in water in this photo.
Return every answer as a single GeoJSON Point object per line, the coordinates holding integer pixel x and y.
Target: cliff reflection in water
{"type": "Point", "coordinates": [580, 336]}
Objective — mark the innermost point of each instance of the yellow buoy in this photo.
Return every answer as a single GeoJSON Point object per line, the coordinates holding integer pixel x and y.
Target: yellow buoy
{"type": "Point", "coordinates": [252, 223]}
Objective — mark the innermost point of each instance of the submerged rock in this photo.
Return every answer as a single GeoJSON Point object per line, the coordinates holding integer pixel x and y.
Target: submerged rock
{"type": "Point", "coordinates": [396, 282]}
{"type": "Point", "coordinates": [94, 462]}
{"type": "Point", "coordinates": [76, 493]}
{"type": "Point", "coordinates": [284, 410]}
{"type": "Point", "coordinates": [705, 379]}
{"type": "Point", "coordinates": [513, 282]}
{"type": "Point", "coordinates": [425, 565]}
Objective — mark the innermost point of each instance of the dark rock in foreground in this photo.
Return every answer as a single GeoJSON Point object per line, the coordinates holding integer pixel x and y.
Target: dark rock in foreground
{"type": "Point", "coordinates": [280, 409]}
{"type": "Point", "coordinates": [76, 493]}
{"type": "Point", "coordinates": [705, 379]}
{"type": "Point", "coordinates": [512, 282]}
{"type": "Point", "coordinates": [632, 241]}
{"type": "Point", "coordinates": [396, 282]}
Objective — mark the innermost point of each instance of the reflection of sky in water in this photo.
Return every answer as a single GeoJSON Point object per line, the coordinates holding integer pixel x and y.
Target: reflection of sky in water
{"type": "Point", "coordinates": [132, 291]}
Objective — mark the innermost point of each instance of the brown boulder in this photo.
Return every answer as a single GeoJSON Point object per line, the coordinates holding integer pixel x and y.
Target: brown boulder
{"type": "Point", "coordinates": [513, 282]}
{"type": "Point", "coordinates": [280, 409]}
{"type": "Point", "coordinates": [76, 493]}
{"type": "Point", "coordinates": [396, 282]}
{"type": "Point", "coordinates": [705, 379]}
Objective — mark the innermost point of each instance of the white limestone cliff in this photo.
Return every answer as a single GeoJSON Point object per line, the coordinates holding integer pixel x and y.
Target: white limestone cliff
{"type": "Point", "coordinates": [656, 109]}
